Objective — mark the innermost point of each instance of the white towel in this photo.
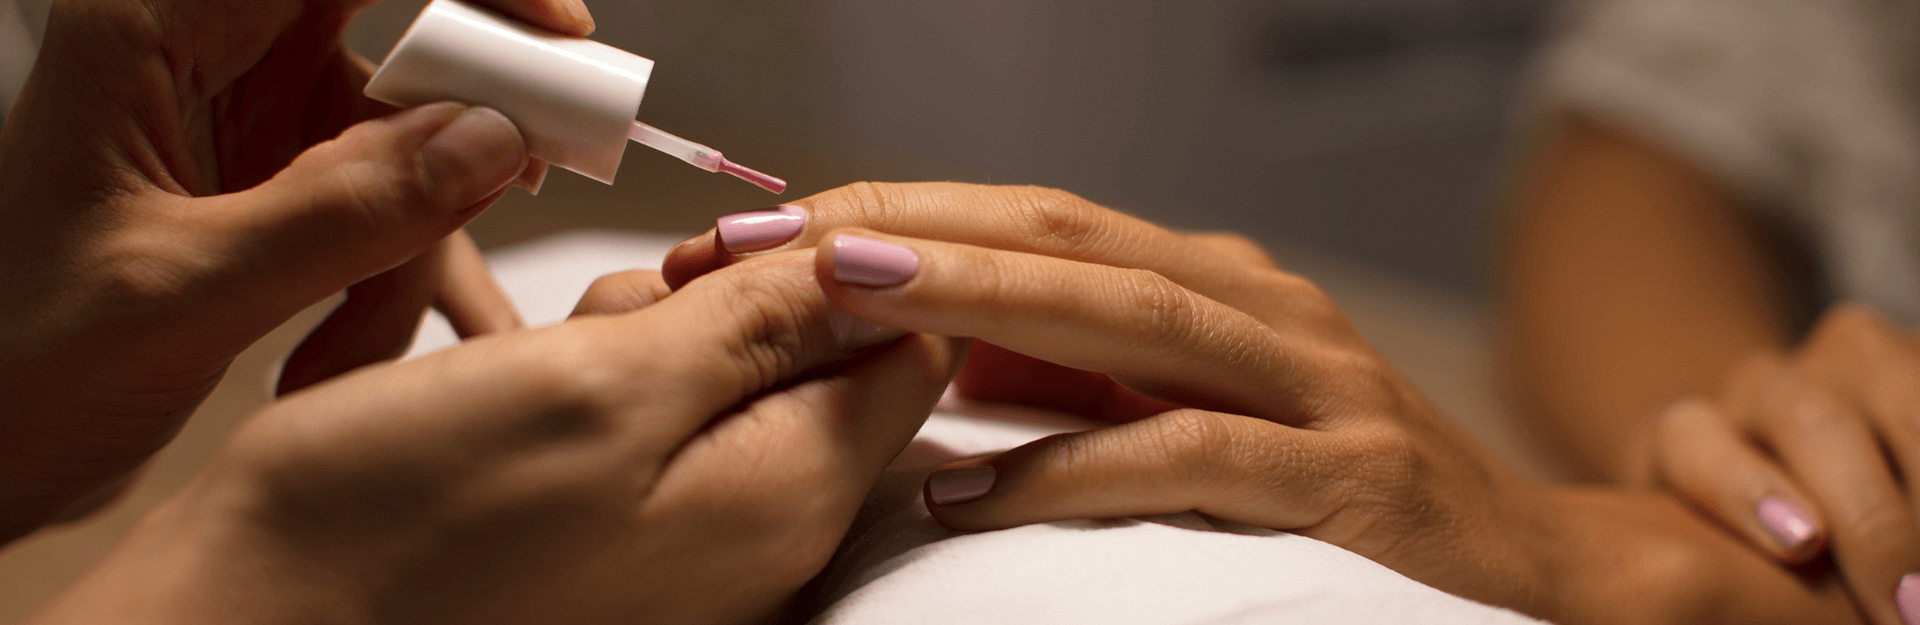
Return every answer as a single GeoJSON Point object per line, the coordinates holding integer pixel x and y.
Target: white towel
{"type": "Point", "coordinates": [901, 567]}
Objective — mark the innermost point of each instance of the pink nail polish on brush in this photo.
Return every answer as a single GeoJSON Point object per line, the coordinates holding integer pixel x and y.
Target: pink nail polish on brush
{"type": "Point", "coordinates": [573, 99]}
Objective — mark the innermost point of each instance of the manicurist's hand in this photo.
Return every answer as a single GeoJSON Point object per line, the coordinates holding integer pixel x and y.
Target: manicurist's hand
{"type": "Point", "coordinates": [692, 459]}
{"type": "Point", "coordinates": [1802, 454]}
{"type": "Point", "coordinates": [1262, 405]}
{"type": "Point", "coordinates": [181, 176]}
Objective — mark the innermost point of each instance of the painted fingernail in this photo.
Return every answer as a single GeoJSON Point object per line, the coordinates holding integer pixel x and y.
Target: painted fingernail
{"type": "Point", "coordinates": [856, 333]}
{"type": "Point", "coordinates": [1907, 598]}
{"type": "Point", "coordinates": [866, 262]}
{"type": "Point", "coordinates": [949, 486]}
{"type": "Point", "coordinates": [1785, 521]}
{"type": "Point", "coordinates": [753, 231]}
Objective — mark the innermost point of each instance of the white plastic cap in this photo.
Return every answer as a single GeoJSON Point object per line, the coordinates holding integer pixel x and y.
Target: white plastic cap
{"type": "Point", "coordinates": [573, 99]}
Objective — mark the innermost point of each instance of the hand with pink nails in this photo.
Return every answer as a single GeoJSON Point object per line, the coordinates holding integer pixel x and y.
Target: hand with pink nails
{"type": "Point", "coordinates": [1803, 455]}
{"type": "Point", "coordinates": [662, 457]}
{"type": "Point", "coordinates": [1239, 391]}
{"type": "Point", "coordinates": [178, 178]}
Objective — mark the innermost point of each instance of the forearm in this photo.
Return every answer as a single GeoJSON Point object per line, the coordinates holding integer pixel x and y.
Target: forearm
{"type": "Point", "coordinates": [1630, 282]}
{"type": "Point", "coordinates": [197, 560]}
{"type": "Point", "coordinates": [1644, 557]}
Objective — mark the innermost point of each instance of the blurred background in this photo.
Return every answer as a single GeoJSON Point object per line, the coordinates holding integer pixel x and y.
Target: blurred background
{"type": "Point", "coordinates": [1362, 140]}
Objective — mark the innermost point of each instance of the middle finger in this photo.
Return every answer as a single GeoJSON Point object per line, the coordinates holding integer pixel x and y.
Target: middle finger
{"type": "Point", "coordinates": [1145, 331]}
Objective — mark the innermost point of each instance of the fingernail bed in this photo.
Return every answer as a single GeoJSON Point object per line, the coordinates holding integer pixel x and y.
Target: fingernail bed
{"type": "Point", "coordinates": [1785, 521]}
{"type": "Point", "coordinates": [754, 231]}
{"type": "Point", "coordinates": [1907, 598]}
{"type": "Point", "coordinates": [950, 486]}
{"type": "Point", "coordinates": [866, 262]}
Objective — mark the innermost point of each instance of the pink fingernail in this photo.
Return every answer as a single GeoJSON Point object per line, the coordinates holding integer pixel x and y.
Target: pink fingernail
{"type": "Point", "coordinates": [948, 486]}
{"type": "Point", "coordinates": [868, 262]}
{"type": "Point", "coordinates": [762, 229]}
{"type": "Point", "coordinates": [1785, 521]}
{"type": "Point", "coordinates": [1907, 598]}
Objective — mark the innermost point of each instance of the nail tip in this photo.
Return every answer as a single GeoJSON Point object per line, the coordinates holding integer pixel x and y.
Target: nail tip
{"type": "Point", "coordinates": [951, 486]}
{"type": "Point", "coordinates": [872, 263]}
{"type": "Point", "coordinates": [1788, 524]}
{"type": "Point", "coordinates": [759, 230]}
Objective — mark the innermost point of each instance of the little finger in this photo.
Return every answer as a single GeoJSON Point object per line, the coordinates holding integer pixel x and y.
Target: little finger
{"type": "Point", "coordinates": [1225, 465]}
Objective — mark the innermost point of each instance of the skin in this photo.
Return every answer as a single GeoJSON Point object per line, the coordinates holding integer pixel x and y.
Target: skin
{"type": "Point", "coordinates": [178, 178]}
{"type": "Point", "coordinates": [1650, 328]}
{"type": "Point", "coordinates": [685, 459]}
{"type": "Point", "coordinates": [1261, 405]}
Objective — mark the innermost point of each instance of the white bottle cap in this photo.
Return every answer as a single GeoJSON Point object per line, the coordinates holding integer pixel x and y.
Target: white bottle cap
{"type": "Point", "coordinates": [573, 99]}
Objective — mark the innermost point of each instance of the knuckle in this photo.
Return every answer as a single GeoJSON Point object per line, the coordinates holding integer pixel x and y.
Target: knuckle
{"type": "Point", "coordinates": [874, 205]}
{"type": "Point", "coordinates": [1058, 220]}
{"type": "Point", "coordinates": [1164, 312]}
{"type": "Point", "coordinates": [768, 321]}
{"type": "Point", "coordinates": [621, 292]}
{"type": "Point", "coordinates": [1194, 445]}
{"type": "Point", "coordinates": [1885, 523]}
{"type": "Point", "coordinates": [1804, 408]}
{"type": "Point", "coordinates": [1391, 458]}
{"type": "Point", "coordinates": [1851, 328]}
{"type": "Point", "coordinates": [352, 193]}
{"type": "Point", "coordinates": [1236, 245]}
{"type": "Point", "coordinates": [1303, 300]}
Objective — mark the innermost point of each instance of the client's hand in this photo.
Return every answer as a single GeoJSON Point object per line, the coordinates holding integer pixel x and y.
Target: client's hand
{"type": "Point", "coordinates": [1804, 447]}
{"type": "Point", "coordinates": [127, 283]}
{"type": "Point", "coordinates": [694, 461]}
{"type": "Point", "coordinates": [1282, 415]}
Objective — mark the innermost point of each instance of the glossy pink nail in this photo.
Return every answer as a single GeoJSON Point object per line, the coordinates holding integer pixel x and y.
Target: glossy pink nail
{"type": "Point", "coordinates": [949, 486]}
{"type": "Point", "coordinates": [1907, 598]}
{"type": "Point", "coordinates": [754, 231]}
{"type": "Point", "coordinates": [867, 262]}
{"type": "Point", "coordinates": [1785, 521]}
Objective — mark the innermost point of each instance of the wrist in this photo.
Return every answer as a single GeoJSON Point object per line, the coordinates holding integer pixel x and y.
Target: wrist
{"type": "Point", "coordinates": [199, 559]}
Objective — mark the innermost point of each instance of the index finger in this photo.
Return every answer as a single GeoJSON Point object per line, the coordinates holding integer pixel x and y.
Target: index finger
{"type": "Point", "coordinates": [1034, 220]}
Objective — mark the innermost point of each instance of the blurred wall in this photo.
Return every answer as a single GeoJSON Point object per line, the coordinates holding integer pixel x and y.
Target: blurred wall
{"type": "Point", "coordinates": [1367, 128]}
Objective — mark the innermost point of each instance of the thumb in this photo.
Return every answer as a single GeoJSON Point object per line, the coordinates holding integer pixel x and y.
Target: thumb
{"type": "Point", "coordinates": [1237, 468]}
{"type": "Point", "coordinates": [382, 192]}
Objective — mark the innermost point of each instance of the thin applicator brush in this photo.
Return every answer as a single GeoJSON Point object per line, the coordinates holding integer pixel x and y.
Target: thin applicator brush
{"type": "Point", "coordinates": [700, 156]}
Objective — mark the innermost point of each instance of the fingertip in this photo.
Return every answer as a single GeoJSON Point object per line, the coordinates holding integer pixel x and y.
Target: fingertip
{"type": "Point", "coordinates": [866, 261]}
{"type": "Point", "coordinates": [957, 493]}
{"type": "Point", "coordinates": [1796, 532]}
